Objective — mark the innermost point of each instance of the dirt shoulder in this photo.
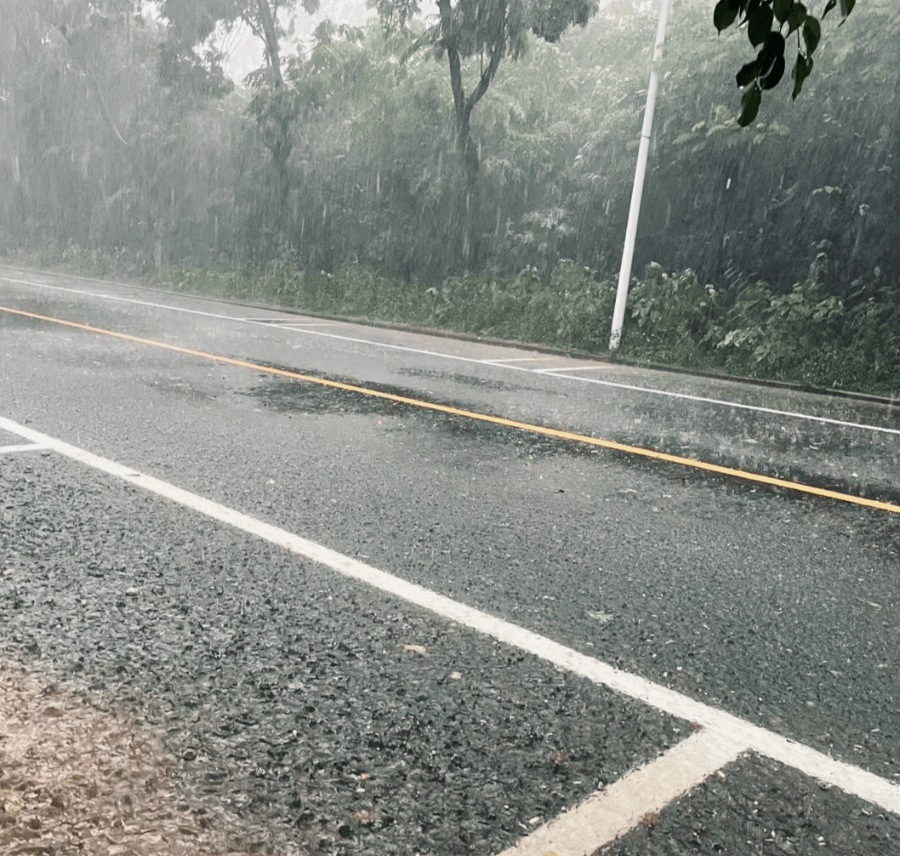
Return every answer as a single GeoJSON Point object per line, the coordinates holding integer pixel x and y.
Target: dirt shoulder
{"type": "Point", "coordinates": [75, 778]}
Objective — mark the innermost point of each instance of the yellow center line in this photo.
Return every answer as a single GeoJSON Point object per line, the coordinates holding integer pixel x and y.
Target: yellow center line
{"type": "Point", "coordinates": [542, 430]}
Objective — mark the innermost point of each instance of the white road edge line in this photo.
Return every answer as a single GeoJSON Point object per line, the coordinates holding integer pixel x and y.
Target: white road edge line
{"type": "Point", "coordinates": [480, 361]}
{"type": "Point", "coordinates": [591, 368]}
{"type": "Point", "coordinates": [703, 400]}
{"type": "Point", "coordinates": [24, 447]}
{"type": "Point", "coordinates": [742, 734]}
{"type": "Point", "coordinates": [500, 362]}
{"type": "Point", "coordinates": [611, 812]}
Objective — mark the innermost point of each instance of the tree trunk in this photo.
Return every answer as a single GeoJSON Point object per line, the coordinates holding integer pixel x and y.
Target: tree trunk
{"type": "Point", "coordinates": [282, 145]}
{"type": "Point", "coordinates": [467, 205]}
{"type": "Point", "coordinates": [467, 201]}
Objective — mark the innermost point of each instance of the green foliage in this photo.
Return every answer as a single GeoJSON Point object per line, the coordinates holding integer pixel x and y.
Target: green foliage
{"type": "Point", "coordinates": [814, 338]}
{"type": "Point", "coordinates": [803, 336]}
{"type": "Point", "coordinates": [351, 165]}
{"type": "Point", "coordinates": [765, 72]}
{"type": "Point", "coordinates": [778, 331]}
{"type": "Point", "coordinates": [582, 308]}
{"type": "Point", "coordinates": [673, 317]}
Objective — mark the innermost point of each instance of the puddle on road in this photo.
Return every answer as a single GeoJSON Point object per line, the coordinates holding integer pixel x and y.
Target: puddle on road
{"type": "Point", "coordinates": [465, 380]}
{"type": "Point", "coordinates": [780, 455]}
{"type": "Point", "coordinates": [294, 396]}
{"type": "Point", "coordinates": [290, 396]}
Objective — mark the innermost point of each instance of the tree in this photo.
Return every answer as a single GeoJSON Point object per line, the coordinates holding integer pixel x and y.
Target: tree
{"type": "Point", "coordinates": [275, 106]}
{"type": "Point", "coordinates": [769, 25]}
{"type": "Point", "coordinates": [487, 30]}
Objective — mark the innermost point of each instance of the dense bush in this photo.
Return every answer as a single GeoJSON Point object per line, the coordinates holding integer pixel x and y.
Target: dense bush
{"type": "Point", "coordinates": [804, 336]}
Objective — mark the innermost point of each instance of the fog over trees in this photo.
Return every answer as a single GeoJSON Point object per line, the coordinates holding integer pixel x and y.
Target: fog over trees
{"type": "Point", "coordinates": [456, 137]}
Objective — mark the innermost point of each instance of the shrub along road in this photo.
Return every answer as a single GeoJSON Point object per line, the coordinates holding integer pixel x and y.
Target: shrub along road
{"type": "Point", "coordinates": [323, 714]}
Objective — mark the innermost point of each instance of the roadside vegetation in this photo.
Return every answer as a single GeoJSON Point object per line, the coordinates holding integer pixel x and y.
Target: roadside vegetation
{"type": "Point", "coordinates": [805, 336]}
{"type": "Point", "coordinates": [346, 180]}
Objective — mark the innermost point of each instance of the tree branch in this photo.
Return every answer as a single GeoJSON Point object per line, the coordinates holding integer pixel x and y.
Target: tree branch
{"type": "Point", "coordinates": [487, 75]}
{"type": "Point", "coordinates": [449, 43]}
{"type": "Point", "coordinates": [95, 85]}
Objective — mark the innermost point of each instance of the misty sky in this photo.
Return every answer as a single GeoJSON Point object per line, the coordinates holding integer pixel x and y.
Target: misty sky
{"type": "Point", "coordinates": [245, 51]}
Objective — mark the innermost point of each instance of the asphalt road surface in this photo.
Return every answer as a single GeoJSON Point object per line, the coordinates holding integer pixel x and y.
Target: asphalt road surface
{"type": "Point", "coordinates": [433, 619]}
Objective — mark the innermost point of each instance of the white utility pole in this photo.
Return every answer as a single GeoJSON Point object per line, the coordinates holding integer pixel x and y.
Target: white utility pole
{"type": "Point", "coordinates": [639, 173]}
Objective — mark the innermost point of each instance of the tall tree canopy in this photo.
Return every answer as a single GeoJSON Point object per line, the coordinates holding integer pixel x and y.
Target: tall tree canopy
{"type": "Point", "coordinates": [106, 152]}
{"type": "Point", "coordinates": [486, 30]}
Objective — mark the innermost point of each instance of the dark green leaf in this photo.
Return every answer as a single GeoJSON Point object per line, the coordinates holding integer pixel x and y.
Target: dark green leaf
{"type": "Point", "coordinates": [781, 9]}
{"type": "Point", "coordinates": [771, 50]}
{"type": "Point", "coordinates": [776, 72]}
{"type": "Point", "coordinates": [750, 102]}
{"type": "Point", "coordinates": [760, 25]}
{"type": "Point", "coordinates": [724, 14]}
{"type": "Point", "coordinates": [796, 17]}
{"type": "Point", "coordinates": [828, 7]}
{"type": "Point", "coordinates": [847, 7]}
{"type": "Point", "coordinates": [748, 7]}
{"type": "Point", "coordinates": [747, 74]}
{"type": "Point", "coordinates": [812, 33]}
{"type": "Point", "coordinates": [802, 69]}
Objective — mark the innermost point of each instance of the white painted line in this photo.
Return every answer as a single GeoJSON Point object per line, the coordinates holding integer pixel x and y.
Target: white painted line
{"type": "Point", "coordinates": [518, 360]}
{"type": "Point", "coordinates": [219, 316]}
{"type": "Point", "coordinates": [609, 813]}
{"type": "Point", "coordinates": [744, 735]}
{"type": "Point", "coordinates": [590, 368]}
{"type": "Point", "coordinates": [558, 373]}
{"type": "Point", "coordinates": [753, 407]}
{"type": "Point", "coordinates": [25, 447]}
{"type": "Point", "coordinates": [122, 299]}
{"type": "Point", "coordinates": [285, 322]}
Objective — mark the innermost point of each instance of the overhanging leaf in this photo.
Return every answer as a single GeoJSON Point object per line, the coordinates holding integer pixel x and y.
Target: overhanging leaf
{"type": "Point", "coordinates": [771, 50]}
{"type": "Point", "coordinates": [747, 74]}
{"type": "Point", "coordinates": [802, 69]}
{"type": "Point", "coordinates": [750, 102]}
{"type": "Point", "coordinates": [796, 17]}
{"type": "Point", "coordinates": [748, 7]}
{"type": "Point", "coordinates": [724, 14]}
{"type": "Point", "coordinates": [776, 72]}
{"type": "Point", "coordinates": [760, 25]}
{"type": "Point", "coordinates": [812, 34]}
{"type": "Point", "coordinates": [781, 8]}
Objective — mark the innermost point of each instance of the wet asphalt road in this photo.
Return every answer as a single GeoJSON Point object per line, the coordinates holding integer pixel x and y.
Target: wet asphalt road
{"type": "Point", "coordinates": [775, 606]}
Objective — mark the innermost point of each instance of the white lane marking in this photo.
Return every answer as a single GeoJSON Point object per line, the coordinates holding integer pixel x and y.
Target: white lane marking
{"type": "Point", "coordinates": [24, 447]}
{"type": "Point", "coordinates": [518, 360]}
{"type": "Point", "coordinates": [481, 361]}
{"type": "Point", "coordinates": [703, 400]}
{"type": "Point", "coordinates": [590, 368]}
{"type": "Point", "coordinates": [611, 812]}
{"type": "Point", "coordinates": [285, 322]}
{"type": "Point", "coordinates": [121, 299]}
{"type": "Point", "coordinates": [239, 320]}
{"type": "Point", "coordinates": [744, 735]}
